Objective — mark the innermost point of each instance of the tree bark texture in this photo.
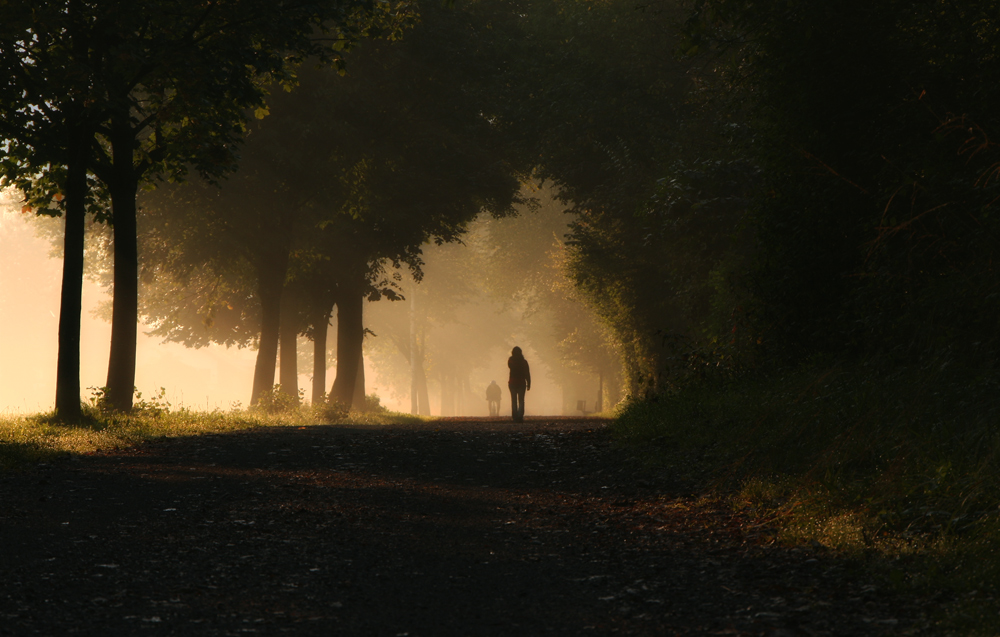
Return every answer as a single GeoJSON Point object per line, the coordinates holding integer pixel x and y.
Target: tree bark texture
{"type": "Point", "coordinates": [270, 284]}
{"type": "Point", "coordinates": [71, 296]}
{"type": "Point", "coordinates": [125, 305]}
{"type": "Point", "coordinates": [321, 326]}
{"type": "Point", "coordinates": [350, 335]}
{"type": "Point", "coordinates": [288, 339]}
{"type": "Point", "coordinates": [359, 383]}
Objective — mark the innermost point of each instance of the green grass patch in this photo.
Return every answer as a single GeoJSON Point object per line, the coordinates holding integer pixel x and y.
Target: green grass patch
{"type": "Point", "coordinates": [26, 440]}
{"type": "Point", "coordinates": [899, 469]}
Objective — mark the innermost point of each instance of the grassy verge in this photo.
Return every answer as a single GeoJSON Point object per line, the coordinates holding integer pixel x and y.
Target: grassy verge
{"type": "Point", "coordinates": [25, 440]}
{"type": "Point", "coordinates": [899, 470]}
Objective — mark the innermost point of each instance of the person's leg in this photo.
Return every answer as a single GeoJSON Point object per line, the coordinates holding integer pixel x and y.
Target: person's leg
{"type": "Point", "coordinates": [520, 403]}
{"type": "Point", "coordinates": [513, 403]}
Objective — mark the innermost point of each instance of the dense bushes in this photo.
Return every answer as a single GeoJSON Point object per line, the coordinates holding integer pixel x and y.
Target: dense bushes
{"type": "Point", "coordinates": [899, 464]}
{"type": "Point", "coordinates": [828, 189]}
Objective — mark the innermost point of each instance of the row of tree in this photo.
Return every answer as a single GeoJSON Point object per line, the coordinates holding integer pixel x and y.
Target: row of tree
{"type": "Point", "coordinates": [348, 177]}
{"type": "Point", "coordinates": [868, 128]}
{"type": "Point", "coordinates": [342, 180]}
{"type": "Point", "coordinates": [342, 184]}
{"type": "Point", "coordinates": [758, 184]}
{"type": "Point", "coordinates": [751, 183]}
{"type": "Point", "coordinates": [100, 97]}
{"type": "Point", "coordinates": [339, 186]}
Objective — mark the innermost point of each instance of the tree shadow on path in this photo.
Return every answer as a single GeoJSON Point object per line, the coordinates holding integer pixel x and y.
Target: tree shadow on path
{"type": "Point", "coordinates": [455, 527]}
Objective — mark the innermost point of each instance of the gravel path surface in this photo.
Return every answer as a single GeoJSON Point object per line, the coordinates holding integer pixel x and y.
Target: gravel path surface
{"type": "Point", "coordinates": [455, 527]}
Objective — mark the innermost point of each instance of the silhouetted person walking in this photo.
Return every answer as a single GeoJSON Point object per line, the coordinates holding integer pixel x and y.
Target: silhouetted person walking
{"type": "Point", "coordinates": [519, 382]}
{"type": "Point", "coordinates": [493, 395]}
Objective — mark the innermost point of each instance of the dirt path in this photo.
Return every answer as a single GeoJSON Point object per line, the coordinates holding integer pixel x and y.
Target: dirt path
{"type": "Point", "coordinates": [452, 528]}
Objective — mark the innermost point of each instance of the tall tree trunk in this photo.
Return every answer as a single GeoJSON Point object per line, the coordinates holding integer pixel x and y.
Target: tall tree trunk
{"type": "Point", "coordinates": [419, 399]}
{"type": "Point", "coordinates": [424, 401]}
{"type": "Point", "coordinates": [125, 305]}
{"type": "Point", "coordinates": [359, 384]}
{"type": "Point", "coordinates": [599, 405]}
{"type": "Point", "coordinates": [443, 379]}
{"type": "Point", "coordinates": [350, 334]}
{"type": "Point", "coordinates": [447, 394]}
{"type": "Point", "coordinates": [414, 354]}
{"type": "Point", "coordinates": [71, 297]}
{"type": "Point", "coordinates": [288, 340]}
{"type": "Point", "coordinates": [270, 282]}
{"type": "Point", "coordinates": [321, 326]}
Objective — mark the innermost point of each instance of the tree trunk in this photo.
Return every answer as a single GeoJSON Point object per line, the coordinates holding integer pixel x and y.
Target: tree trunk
{"type": "Point", "coordinates": [350, 334]}
{"type": "Point", "coordinates": [599, 404]}
{"type": "Point", "coordinates": [125, 305]}
{"type": "Point", "coordinates": [422, 394]}
{"type": "Point", "coordinates": [270, 282]}
{"type": "Point", "coordinates": [419, 399]}
{"type": "Point", "coordinates": [447, 394]}
{"type": "Point", "coordinates": [359, 384]}
{"type": "Point", "coordinates": [414, 355]}
{"type": "Point", "coordinates": [288, 341]}
{"type": "Point", "coordinates": [321, 326]}
{"type": "Point", "coordinates": [71, 298]}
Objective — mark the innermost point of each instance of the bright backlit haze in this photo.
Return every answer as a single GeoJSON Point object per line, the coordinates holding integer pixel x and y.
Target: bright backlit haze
{"type": "Point", "coordinates": [216, 376]}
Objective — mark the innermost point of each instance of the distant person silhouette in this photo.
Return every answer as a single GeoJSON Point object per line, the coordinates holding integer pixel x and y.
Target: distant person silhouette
{"type": "Point", "coordinates": [519, 382]}
{"type": "Point", "coordinates": [493, 395]}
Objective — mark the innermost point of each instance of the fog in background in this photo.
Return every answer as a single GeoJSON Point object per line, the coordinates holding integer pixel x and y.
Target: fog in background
{"type": "Point", "coordinates": [475, 302]}
{"type": "Point", "coordinates": [29, 309]}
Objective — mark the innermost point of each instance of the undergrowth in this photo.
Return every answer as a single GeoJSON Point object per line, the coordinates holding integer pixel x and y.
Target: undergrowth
{"type": "Point", "coordinates": [899, 468]}
{"type": "Point", "coordinates": [29, 439]}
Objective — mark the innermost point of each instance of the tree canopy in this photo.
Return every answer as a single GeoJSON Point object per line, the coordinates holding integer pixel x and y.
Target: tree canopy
{"type": "Point", "coordinates": [347, 176]}
{"type": "Point", "coordinates": [748, 184]}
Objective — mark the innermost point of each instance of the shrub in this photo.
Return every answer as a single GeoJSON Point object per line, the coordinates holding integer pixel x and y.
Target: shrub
{"type": "Point", "coordinates": [278, 402]}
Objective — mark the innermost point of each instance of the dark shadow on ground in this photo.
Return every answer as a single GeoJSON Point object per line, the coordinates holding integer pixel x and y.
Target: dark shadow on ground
{"type": "Point", "coordinates": [446, 528]}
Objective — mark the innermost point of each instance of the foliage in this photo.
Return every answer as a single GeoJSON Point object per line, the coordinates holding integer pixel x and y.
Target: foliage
{"type": "Point", "coordinates": [902, 466]}
{"type": "Point", "coordinates": [873, 219]}
{"type": "Point", "coordinates": [133, 91]}
{"type": "Point", "coordinates": [620, 130]}
{"type": "Point", "coordinates": [806, 179]}
{"type": "Point", "coordinates": [278, 402]}
{"type": "Point", "coordinates": [330, 410]}
{"type": "Point", "coordinates": [334, 411]}
{"type": "Point", "coordinates": [340, 186]}
{"type": "Point", "coordinates": [652, 276]}
{"type": "Point", "coordinates": [373, 404]}
{"type": "Point", "coordinates": [157, 405]}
